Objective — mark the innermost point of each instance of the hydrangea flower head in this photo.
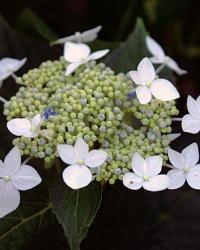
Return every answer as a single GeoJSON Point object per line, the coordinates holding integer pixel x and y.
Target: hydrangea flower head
{"type": "Point", "coordinates": [191, 121]}
{"type": "Point", "coordinates": [10, 65]}
{"type": "Point", "coordinates": [184, 167]}
{"type": "Point", "coordinates": [78, 37]}
{"type": "Point", "coordinates": [14, 177]}
{"type": "Point", "coordinates": [78, 175]}
{"type": "Point", "coordinates": [159, 56]}
{"type": "Point", "coordinates": [146, 174]}
{"type": "Point", "coordinates": [78, 54]}
{"type": "Point", "coordinates": [148, 85]}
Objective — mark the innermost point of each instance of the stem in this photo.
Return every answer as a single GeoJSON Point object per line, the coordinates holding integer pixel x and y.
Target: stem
{"type": "Point", "coordinates": [14, 76]}
{"type": "Point", "coordinates": [3, 99]}
{"type": "Point", "coordinates": [160, 68]}
{"type": "Point", "coordinates": [177, 119]}
{"type": "Point", "coordinates": [27, 160]}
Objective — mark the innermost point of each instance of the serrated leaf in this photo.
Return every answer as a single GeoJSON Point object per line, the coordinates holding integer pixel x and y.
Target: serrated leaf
{"type": "Point", "coordinates": [129, 53]}
{"type": "Point", "coordinates": [75, 209]}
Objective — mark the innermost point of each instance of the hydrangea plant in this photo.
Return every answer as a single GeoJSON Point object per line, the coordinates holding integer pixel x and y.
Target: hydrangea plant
{"type": "Point", "coordinates": [92, 125]}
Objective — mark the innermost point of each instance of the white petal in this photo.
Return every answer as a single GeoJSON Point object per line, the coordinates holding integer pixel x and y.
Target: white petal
{"type": "Point", "coordinates": [82, 148]}
{"type": "Point", "coordinates": [98, 54]}
{"type": "Point", "coordinates": [164, 90]}
{"type": "Point", "coordinates": [173, 136]}
{"type": "Point", "coordinates": [76, 52]}
{"type": "Point", "coordinates": [96, 158]}
{"type": "Point", "coordinates": [190, 124]}
{"type": "Point", "coordinates": [19, 126]}
{"type": "Point", "coordinates": [155, 48]}
{"type": "Point", "coordinates": [36, 120]}
{"type": "Point", "coordinates": [157, 183]}
{"type": "Point", "coordinates": [77, 176]}
{"type": "Point", "coordinates": [176, 159]}
{"type": "Point", "coordinates": [156, 60]}
{"type": "Point", "coordinates": [4, 74]}
{"type": "Point", "coordinates": [193, 177]}
{"type": "Point", "coordinates": [139, 165]}
{"type": "Point", "coordinates": [191, 154]}
{"type": "Point", "coordinates": [198, 100]}
{"type": "Point", "coordinates": [193, 107]}
{"type": "Point", "coordinates": [132, 181]}
{"type": "Point", "coordinates": [2, 166]}
{"type": "Point", "coordinates": [154, 165]}
{"type": "Point", "coordinates": [174, 66]}
{"type": "Point", "coordinates": [176, 178]}
{"type": "Point", "coordinates": [12, 161]}
{"type": "Point", "coordinates": [67, 154]}
{"type": "Point", "coordinates": [9, 197]}
{"type": "Point", "coordinates": [90, 35]}
{"type": "Point", "coordinates": [136, 77]}
{"type": "Point", "coordinates": [71, 68]}
{"type": "Point", "coordinates": [146, 70]}
{"type": "Point", "coordinates": [143, 94]}
{"type": "Point", "coordinates": [26, 178]}
{"type": "Point", "coordinates": [11, 64]}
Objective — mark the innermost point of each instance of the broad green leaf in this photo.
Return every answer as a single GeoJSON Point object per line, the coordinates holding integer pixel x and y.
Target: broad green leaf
{"type": "Point", "coordinates": [129, 53]}
{"type": "Point", "coordinates": [18, 228]}
{"type": "Point", "coordinates": [31, 23]}
{"type": "Point", "coordinates": [75, 209]}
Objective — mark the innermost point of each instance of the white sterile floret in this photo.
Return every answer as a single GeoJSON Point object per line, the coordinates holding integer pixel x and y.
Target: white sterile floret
{"type": "Point", "coordinates": [148, 85]}
{"type": "Point", "coordinates": [78, 37]}
{"type": "Point", "coordinates": [184, 167]}
{"type": "Point", "coordinates": [78, 175]}
{"type": "Point", "coordinates": [24, 126]}
{"type": "Point", "coordinates": [14, 177]}
{"type": "Point", "coordinates": [159, 56]}
{"type": "Point", "coordinates": [77, 54]}
{"type": "Point", "coordinates": [146, 174]}
{"type": "Point", "coordinates": [191, 121]}
{"type": "Point", "coordinates": [10, 65]}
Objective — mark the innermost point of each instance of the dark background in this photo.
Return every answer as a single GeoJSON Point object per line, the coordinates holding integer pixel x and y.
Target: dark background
{"type": "Point", "coordinates": [127, 220]}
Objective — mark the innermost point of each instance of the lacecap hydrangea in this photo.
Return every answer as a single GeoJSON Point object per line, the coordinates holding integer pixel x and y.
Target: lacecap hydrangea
{"type": "Point", "coordinates": [94, 104]}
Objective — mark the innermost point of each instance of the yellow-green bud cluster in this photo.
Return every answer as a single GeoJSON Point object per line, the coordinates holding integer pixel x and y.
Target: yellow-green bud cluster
{"type": "Point", "coordinates": [92, 104]}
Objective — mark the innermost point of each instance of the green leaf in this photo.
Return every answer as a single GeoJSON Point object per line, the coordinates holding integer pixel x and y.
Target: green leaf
{"type": "Point", "coordinates": [18, 228]}
{"type": "Point", "coordinates": [129, 53]}
{"type": "Point", "coordinates": [75, 209]}
{"type": "Point", "coordinates": [31, 23]}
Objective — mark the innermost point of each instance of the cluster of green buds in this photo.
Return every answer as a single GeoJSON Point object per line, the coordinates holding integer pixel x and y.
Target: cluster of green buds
{"type": "Point", "coordinates": [94, 104]}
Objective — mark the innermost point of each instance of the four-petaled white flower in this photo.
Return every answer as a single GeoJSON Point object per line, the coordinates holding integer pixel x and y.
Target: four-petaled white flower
{"type": "Point", "coordinates": [25, 127]}
{"type": "Point", "coordinates": [78, 175]}
{"type": "Point", "coordinates": [10, 65]}
{"type": "Point", "coordinates": [191, 121]}
{"type": "Point", "coordinates": [14, 177]}
{"type": "Point", "coordinates": [145, 77]}
{"type": "Point", "coordinates": [159, 56]}
{"type": "Point", "coordinates": [78, 37]}
{"type": "Point", "coordinates": [77, 54]}
{"type": "Point", "coordinates": [185, 167]}
{"type": "Point", "coordinates": [146, 174]}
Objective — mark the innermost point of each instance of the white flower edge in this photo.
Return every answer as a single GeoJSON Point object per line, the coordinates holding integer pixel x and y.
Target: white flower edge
{"type": "Point", "coordinates": [146, 174]}
{"type": "Point", "coordinates": [84, 37]}
{"type": "Point", "coordinates": [10, 65]}
{"type": "Point", "coordinates": [191, 122]}
{"type": "Point", "coordinates": [15, 177]}
{"type": "Point", "coordinates": [184, 167]}
{"type": "Point", "coordinates": [78, 175]}
{"type": "Point", "coordinates": [24, 126]}
{"type": "Point", "coordinates": [78, 54]}
{"type": "Point", "coordinates": [159, 56]}
{"type": "Point", "coordinates": [148, 85]}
